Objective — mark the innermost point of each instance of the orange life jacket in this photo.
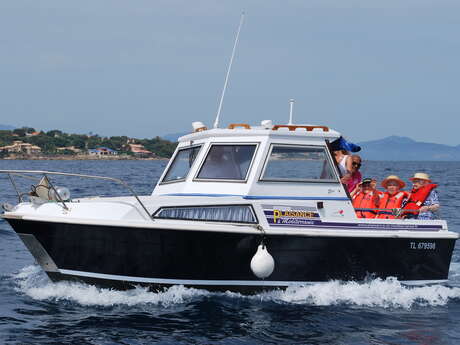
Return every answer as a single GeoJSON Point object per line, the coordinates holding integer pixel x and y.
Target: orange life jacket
{"type": "Point", "coordinates": [390, 201]}
{"type": "Point", "coordinates": [417, 197]}
{"type": "Point", "coordinates": [368, 200]}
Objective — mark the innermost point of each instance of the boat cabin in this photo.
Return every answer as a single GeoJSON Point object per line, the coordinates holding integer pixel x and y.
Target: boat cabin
{"type": "Point", "coordinates": [267, 162]}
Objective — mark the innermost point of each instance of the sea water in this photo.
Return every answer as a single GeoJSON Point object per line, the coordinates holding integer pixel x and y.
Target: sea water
{"type": "Point", "coordinates": [35, 311]}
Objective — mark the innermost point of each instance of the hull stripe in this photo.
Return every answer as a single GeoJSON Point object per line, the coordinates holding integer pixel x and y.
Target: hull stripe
{"type": "Point", "coordinates": [214, 282]}
{"type": "Point", "coordinates": [262, 197]}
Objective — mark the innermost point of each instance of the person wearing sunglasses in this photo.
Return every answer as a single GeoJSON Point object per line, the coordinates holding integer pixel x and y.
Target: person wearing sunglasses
{"type": "Point", "coordinates": [355, 176]}
{"type": "Point", "coordinates": [423, 198]}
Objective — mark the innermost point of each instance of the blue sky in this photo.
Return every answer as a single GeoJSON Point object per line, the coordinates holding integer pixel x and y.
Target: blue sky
{"type": "Point", "coordinates": [144, 68]}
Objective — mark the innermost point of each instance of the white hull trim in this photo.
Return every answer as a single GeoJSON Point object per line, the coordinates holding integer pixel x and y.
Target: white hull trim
{"type": "Point", "coordinates": [233, 228]}
{"type": "Point", "coordinates": [215, 282]}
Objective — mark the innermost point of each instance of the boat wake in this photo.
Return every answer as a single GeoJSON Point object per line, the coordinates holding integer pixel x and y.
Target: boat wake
{"type": "Point", "coordinates": [388, 293]}
{"type": "Point", "coordinates": [33, 282]}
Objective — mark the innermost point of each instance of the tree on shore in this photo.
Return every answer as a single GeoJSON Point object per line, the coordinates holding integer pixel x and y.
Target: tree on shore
{"type": "Point", "coordinates": [51, 140]}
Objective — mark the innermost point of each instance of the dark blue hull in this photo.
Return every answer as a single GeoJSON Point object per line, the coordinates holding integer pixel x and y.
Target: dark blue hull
{"type": "Point", "coordinates": [123, 257]}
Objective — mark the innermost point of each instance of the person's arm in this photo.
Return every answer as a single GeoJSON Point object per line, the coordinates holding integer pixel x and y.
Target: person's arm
{"type": "Point", "coordinates": [376, 198]}
{"type": "Point", "coordinates": [346, 178]}
{"type": "Point", "coordinates": [430, 208]}
{"type": "Point", "coordinates": [356, 189]}
{"type": "Point", "coordinates": [432, 201]}
{"type": "Point", "coordinates": [349, 163]}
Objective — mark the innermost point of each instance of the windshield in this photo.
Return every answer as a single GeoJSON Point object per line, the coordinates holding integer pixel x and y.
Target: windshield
{"type": "Point", "coordinates": [181, 165]}
{"type": "Point", "coordinates": [298, 164]}
{"type": "Point", "coordinates": [227, 162]}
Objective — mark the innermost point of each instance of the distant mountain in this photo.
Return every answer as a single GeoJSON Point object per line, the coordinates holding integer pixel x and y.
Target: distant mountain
{"type": "Point", "coordinates": [392, 148]}
{"type": "Point", "coordinates": [396, 148]}
{"type": "Point", "coordinates": [174, 136]}
{"type": "Point", "coordinates": [6, 127]}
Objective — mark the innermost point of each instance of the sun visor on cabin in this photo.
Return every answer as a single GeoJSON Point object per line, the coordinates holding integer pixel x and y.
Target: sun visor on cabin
{"type": "Point", "coordinates": [342, 144]}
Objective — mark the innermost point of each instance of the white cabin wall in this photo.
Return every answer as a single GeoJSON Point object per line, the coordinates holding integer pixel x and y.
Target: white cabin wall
{"type": "Point", "coordinates": [334, 193]}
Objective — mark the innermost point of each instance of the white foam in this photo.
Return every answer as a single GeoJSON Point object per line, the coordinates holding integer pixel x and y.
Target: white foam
{"type": "Point", "coordinates": [388, 293]}
{"type": "Point", "coordinates": [32, 282]}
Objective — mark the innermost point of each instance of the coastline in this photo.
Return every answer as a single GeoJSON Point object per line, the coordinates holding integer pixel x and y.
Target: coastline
{"type": "Point", "coordinates": [81, 157]}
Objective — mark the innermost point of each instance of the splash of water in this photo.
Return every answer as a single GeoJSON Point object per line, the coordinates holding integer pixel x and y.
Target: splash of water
{"type": "Point", "coordinates": [32, 282]}
{"type": "Point", "coordinates": [388, 293]}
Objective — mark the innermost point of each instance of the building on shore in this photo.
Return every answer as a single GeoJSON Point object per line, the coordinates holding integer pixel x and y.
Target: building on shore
{"type": "Point", "coordinates": [21, 147]}
{"type": "Point", "coordinates": [139, 151]}
{"type": "Point", "coordinates": [68, 148]}
{"type": "Point", "coordinates": [32, 134]}
{"type": "Point", "coordinates": [102, 151]}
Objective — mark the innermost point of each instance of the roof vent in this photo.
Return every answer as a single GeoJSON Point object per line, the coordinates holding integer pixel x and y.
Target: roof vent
{"type": "Point", "coordinates": [267, 124]}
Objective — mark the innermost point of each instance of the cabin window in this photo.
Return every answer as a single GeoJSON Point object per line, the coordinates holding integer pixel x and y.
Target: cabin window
{"type": "Point", "coordinates": [182, 163]}
{"type": "Point", "coordinates": [298, 164]}
{"type": "Point", "coordinates": [227, 162]}
{"type": "Point", "coordinates": [221, 213]}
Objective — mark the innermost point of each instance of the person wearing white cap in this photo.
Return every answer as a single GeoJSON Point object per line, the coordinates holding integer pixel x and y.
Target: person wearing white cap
{"type": "Point", "coordinates": [423, 198]}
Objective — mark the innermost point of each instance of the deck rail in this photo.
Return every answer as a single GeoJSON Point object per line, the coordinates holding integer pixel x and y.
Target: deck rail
{"type": "Point", "coordinates": [45, 173]}
{"type": "Point", "coordinates": [398, 212]}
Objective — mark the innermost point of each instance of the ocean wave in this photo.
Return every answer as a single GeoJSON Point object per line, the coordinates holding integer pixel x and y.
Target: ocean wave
{"type": "Point", "coordinates": [385, 293]}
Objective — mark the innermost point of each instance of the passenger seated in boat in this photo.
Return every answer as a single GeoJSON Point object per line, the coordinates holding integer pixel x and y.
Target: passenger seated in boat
{"type": "Point", "coordinates": [366, 198]}
{"type": "Point", "coordinates": [423, 198]}
{"type": "Point", "coordinates": [393, 198]}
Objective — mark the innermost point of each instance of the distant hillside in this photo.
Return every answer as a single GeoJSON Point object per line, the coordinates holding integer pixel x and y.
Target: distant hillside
{"type": "Point", "coordinates": [393, 148]}
{"type": "Point", "coordinates": [396, 148]}
{"type": "Point", "coordinates": [27, 140]}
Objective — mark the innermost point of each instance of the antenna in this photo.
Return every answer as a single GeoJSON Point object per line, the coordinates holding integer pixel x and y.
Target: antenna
{"type": "Point", "coordinates": [291, 105]}
{"type": "Point", "coordinates": [216, 122]}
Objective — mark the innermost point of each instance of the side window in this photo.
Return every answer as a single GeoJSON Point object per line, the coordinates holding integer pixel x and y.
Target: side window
{"type": "Point", "coordinates": [181, 165]}
{"type": "Point", "coordinates": [217, 213]}
{"type": "Point", "coordinates": [227, 162]}
{"type": "Point", "coordinates": [298, 164]}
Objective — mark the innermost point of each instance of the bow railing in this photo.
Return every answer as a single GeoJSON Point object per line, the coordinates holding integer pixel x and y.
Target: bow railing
{"type": "Point", "coordinates": [44, 173]}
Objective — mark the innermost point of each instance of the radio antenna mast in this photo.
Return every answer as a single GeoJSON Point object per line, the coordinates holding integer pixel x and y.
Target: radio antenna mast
{"type": "Point", "coordinates": [216, 122]}
{"type": "Point", "coordinates": [291, 105]}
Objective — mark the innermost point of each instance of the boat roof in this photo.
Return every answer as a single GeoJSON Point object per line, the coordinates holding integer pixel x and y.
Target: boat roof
{"type": "Point", "coordinates": [297, 131]}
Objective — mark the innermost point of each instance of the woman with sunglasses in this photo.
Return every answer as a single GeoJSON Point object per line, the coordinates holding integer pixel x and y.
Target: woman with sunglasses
{"type": "Point", "coordinates": [354, 175]}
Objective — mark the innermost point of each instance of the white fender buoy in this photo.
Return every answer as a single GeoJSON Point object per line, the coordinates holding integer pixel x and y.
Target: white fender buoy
{"type": "Point", "coordinates": [262, 263]}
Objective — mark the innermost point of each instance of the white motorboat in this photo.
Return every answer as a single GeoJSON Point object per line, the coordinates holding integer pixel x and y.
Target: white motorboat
{"type": "Point", "coordinates": [227, 194]}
